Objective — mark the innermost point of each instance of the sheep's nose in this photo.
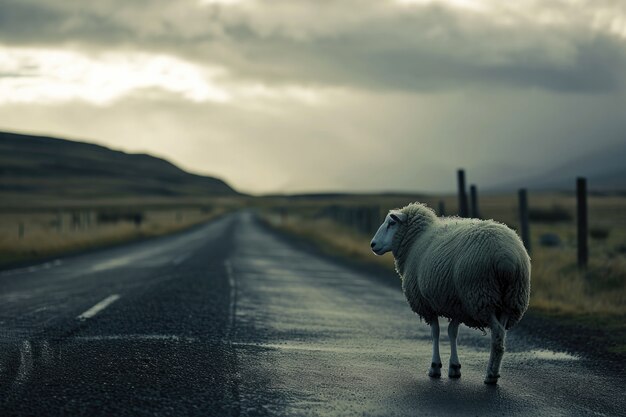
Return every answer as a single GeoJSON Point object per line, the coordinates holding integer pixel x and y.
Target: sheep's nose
{"type": "Point", "coordinates": [373, 244]}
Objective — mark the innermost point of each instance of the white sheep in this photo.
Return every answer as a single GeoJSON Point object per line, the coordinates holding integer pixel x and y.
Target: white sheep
{"type": "Point", "coordinates": [475, 272]}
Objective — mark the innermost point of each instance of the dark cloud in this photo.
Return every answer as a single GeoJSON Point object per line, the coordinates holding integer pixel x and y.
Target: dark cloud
{"type": "Point", "coordinates": [44, 23]}
{"type": "Point", "coordinates": [372, 45]}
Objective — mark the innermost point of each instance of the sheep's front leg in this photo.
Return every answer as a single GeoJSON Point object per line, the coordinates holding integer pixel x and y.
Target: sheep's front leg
{"type": "Point", "coordinates": [454, 371]}
{"type": "Point", "coordinates": [498, 336]}
{"type": "Point", "coordinates": [435, 367]}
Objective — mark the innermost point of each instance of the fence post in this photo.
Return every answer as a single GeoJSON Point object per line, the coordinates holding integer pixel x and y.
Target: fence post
{"type": "Point", "coordinates": [523, 218]}
{"type": "Point", "coordinates": [463, 211]}
{"type": "Point", "coordinates": [581, 214]}
{"type": "Point", "coordinates": [442, 208]}
{"type": "Point", "coordinates": [474, 202]}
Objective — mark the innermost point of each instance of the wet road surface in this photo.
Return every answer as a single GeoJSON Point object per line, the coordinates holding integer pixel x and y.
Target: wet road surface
{"type": "Point", "coordinates": [231, 319]}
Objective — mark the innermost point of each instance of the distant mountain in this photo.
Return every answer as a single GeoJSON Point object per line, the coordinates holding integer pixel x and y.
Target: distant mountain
{"type": "Point", "coordinates": [605, 171]}
{"type": "Point", "coordinates": [51, 167]}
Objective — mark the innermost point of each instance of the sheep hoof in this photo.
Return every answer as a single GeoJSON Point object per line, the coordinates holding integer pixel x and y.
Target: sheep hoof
{"type": "Point", "coordinates": [492, 379]}
{"type": "Point", "coordinates": [454, 371]}
{"type": "Point", "coordinates": [435, 370]}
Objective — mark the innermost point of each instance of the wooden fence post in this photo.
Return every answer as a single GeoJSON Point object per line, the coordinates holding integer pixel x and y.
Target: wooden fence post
{"type": "Point", "coordinates": [523, 218]}
{"type": "Point", "coordinates": [581, 216]}
{"type": "Point", "coordinates": [474, 202]}
{"type": "Point", "coordinates": [463, 211]}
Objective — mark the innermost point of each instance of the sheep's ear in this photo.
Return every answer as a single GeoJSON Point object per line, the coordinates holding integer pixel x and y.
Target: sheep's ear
{"type": "Point", "coordinates": [398, 216]}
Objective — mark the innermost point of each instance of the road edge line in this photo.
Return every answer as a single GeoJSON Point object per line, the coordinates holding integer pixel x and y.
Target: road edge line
{"type": "Point", "coordinates": [97, 308]}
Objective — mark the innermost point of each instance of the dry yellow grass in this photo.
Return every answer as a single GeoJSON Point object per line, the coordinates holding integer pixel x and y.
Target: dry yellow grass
{"type": "Point", "coordinates": [49, 233]}
{"type": "Point", "coordinates": [331, 237]}
{"type": "Point", "coordinates": [558, 285]}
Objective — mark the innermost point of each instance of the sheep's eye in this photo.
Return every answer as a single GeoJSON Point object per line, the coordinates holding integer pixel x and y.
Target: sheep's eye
{"type": "Point", "coordinates": [391, 223]}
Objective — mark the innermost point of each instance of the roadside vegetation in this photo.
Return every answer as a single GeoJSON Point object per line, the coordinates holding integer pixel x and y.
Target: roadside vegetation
{"type": "Point", "coordinates": [43, 233]}
{"type": "Point", "coordinates": [593, 297]}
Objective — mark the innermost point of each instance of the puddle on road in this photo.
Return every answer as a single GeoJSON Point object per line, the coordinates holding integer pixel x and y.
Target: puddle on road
{"type": "Point", "coordinates": [378, 350]}
{"type": "Point", "coordinates": [301, 347]}
{"type": "Point", "coordinates": [549, 355]}
{"type": "Point", "coordinates": [542, 354]}
{"type": "Point", "coordinates": [131, 337]}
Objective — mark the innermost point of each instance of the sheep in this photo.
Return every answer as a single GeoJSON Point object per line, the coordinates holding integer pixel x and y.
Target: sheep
{"type": "Point", "coordinates": [470, 271]}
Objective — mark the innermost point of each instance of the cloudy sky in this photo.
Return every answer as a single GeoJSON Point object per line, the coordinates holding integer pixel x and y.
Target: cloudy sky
{"type": "Point", "coordinates": [325, 95]}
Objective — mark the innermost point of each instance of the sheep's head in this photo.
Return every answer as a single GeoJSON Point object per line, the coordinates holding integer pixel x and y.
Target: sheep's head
{"type": "Point", "coordinates": [383, 239]}
{"type": "Point", "coordinates": [401, 227]}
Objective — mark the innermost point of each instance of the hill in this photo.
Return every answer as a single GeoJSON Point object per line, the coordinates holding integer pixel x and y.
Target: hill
{"type": "Point", "coordinates": [63, 169]}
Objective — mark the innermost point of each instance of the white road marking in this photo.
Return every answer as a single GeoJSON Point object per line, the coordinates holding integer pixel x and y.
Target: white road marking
{"type": "Point", "coordinates": [47, 354]}
{"type": "Point", "coordinates": [99, 307]}
{"type": "Point", "coordinates": [112, 263]}
{"type": "Point", "coordinates": [233, 298]}
{"type": "Point", "coordinates": [39, 309]}
{"type": "Point", "coordinates": [180, 259]}
{"type": "Point", "coordinates": [231, 394]}
{"type": "Point", "coordinates": [139, 257]}
{"type": "Point", "coordinates": [151, 256]}
{"type": "Point", "coordinates": [26, 362]}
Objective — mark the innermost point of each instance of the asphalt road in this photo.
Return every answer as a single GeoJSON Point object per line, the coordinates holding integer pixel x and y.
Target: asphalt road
{"type": "Point", "coordinates": [231, 319]}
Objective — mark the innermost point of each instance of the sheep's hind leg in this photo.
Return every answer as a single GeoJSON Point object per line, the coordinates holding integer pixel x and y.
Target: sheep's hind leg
{"type": "Point", "coordinates": [435, 367]}
{"type": "Point", "coordinates": [454, 371]}
{"type": "Point", "coordinates": [498, 336]}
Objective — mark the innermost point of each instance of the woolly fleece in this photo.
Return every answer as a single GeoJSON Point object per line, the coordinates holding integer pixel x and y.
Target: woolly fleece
{"type": "Point", "coordinates": [464, 269]}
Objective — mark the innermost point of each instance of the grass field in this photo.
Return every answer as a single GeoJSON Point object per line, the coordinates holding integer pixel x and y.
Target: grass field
{"type": "Point", "coordinates": [558, 286]}
{"type": "Point", "coordinates": [37, 233]}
